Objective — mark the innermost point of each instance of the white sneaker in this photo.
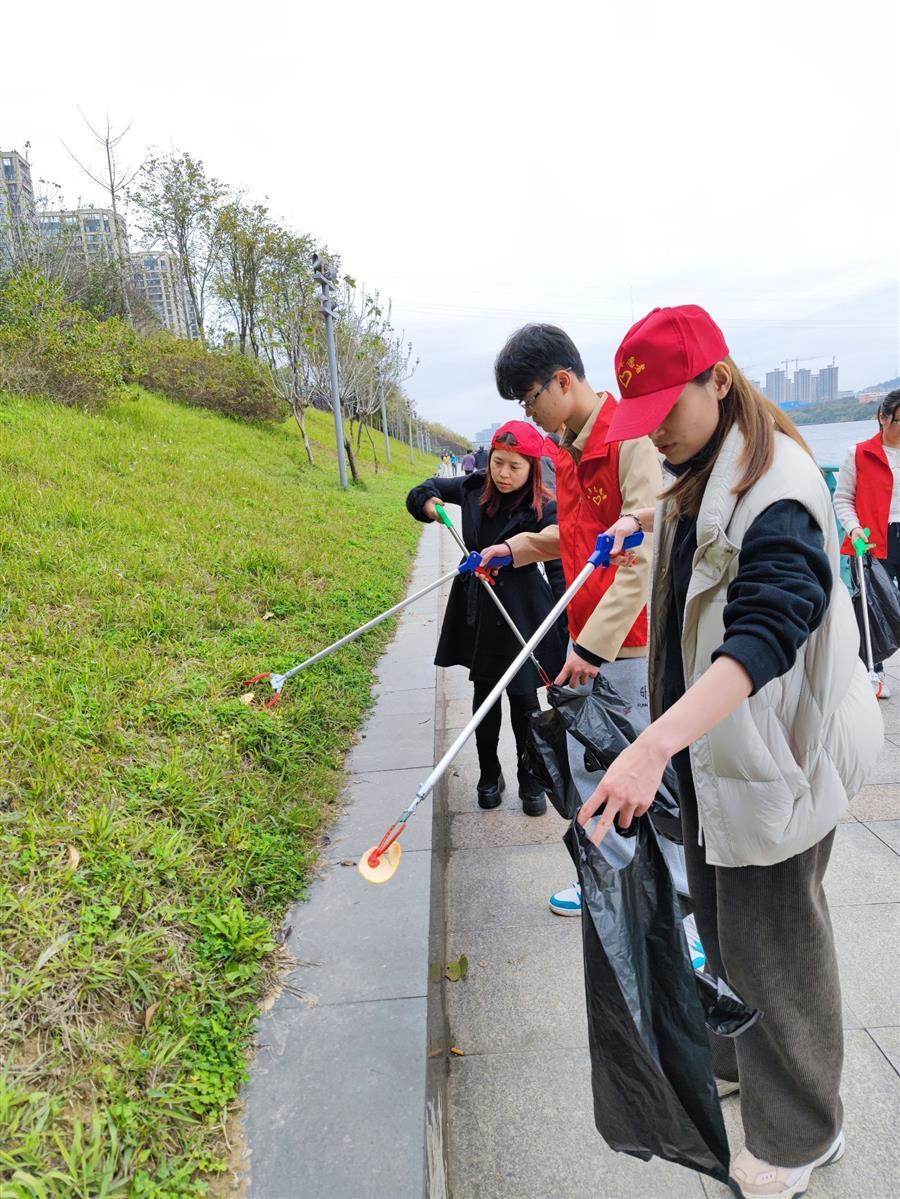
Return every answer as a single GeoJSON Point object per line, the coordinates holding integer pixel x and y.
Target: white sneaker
{"type": "Point", "coordinates": [759, 1180]}
{"type": "Point", "coordinates": [884, 691]}
{"type": "Point", "coordinates": [567, 902]}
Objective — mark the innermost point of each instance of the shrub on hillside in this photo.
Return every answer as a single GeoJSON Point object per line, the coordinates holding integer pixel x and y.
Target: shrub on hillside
{"type": "Point", "coordinates": [223, 380]}
{"type": "Point", "coordinates": [51, 348]}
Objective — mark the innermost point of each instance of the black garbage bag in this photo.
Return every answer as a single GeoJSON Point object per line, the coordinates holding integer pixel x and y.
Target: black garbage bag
{"type": "Point", "coordinates": [604, 722]}
{"type": "Point", "coordinates": [884, 608]}
{"type": "Point", "coordinates": [725, 1011]}
{"type": "Point", "coordinates": [651, 1065]}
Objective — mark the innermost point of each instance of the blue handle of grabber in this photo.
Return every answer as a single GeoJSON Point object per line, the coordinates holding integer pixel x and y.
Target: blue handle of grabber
{"type": "Point", "coordinates": [471, 564]}
{"type": "Point", "coordinates": [605, 542]}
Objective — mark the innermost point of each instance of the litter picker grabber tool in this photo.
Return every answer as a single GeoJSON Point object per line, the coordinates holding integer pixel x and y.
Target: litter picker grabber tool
{"type": "Point", "coordinates": [489, 588]}
{"type": "Point", "coordinates": [380, 863]}
{"type": "Point", "coordinates": [862, 545]}
{"type": "Point", "coordinates": [277, 681]}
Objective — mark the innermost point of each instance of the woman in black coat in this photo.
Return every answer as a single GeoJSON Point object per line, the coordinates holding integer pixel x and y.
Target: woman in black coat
{"type": "Point", "coordinates": [510, 497]}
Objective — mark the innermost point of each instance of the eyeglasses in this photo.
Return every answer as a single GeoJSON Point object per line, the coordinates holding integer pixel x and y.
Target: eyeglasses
{"type": "Point", "coordinates": [529, 402]}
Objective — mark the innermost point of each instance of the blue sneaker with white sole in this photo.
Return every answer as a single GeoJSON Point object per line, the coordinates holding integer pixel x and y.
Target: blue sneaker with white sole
{"type": "Point", "coordinates": [567, 902]}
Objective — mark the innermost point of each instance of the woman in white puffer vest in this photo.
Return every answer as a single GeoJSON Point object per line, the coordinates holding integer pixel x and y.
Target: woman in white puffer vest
{"type": "Point", "coordinates": [760, 699]}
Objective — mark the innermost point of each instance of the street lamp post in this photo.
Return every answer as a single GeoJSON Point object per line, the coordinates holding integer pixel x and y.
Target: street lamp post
{"type": "Point", "coordinates": [324, 273]}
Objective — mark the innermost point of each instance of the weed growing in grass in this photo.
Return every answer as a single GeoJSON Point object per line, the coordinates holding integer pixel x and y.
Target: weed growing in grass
{"type": "Point", "coordinates": [152, 827]}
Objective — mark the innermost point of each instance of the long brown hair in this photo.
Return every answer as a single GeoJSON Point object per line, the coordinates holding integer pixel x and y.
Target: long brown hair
{"type": "Point", "coordinates": [758, 419]}
{"type": "Point", "coordinates": [539, 493]}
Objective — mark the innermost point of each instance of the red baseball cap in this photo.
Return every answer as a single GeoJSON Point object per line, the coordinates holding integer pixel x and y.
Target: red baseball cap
{"type": "Point", "coordinates": [528, 440]}
{"type": "Point", "coordinates": [658, 357]}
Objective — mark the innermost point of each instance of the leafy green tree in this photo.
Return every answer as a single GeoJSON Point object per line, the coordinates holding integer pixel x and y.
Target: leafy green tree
{"type": "Point", "coordinates": [179, 205]}
{"type": "Point", "coordinates": [288, 323]}
{"type": "Point", "coordinates": [247, 240]}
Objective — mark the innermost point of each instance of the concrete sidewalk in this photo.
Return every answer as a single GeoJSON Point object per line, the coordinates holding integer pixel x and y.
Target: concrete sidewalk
{"type": "Point", "coordinates": [336, 1102]}
{"type": "Point", "coordinates": [520, 1122]}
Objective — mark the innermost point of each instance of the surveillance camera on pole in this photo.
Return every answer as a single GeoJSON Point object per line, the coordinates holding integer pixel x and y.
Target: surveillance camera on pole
{"type": "Point", "coordinates": [324, 273]}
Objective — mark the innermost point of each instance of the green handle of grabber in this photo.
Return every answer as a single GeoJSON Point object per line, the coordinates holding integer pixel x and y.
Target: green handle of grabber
{"type": "Point", "coordinates": [445, 519]}
{"type": "Point", "coordinates": [862, 545]}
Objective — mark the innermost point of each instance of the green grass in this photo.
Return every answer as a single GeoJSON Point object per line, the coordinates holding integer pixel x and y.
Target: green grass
{"type": "Point", "coordinates": [153, 828]}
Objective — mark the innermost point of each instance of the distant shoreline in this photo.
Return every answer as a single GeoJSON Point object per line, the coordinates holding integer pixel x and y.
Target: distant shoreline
{"type": "Point", "coordinates": [832, 414]}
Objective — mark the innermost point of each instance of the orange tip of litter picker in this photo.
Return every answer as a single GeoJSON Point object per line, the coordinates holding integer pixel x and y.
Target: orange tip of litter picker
{"type": "Point", "coordinates": [387, 864]}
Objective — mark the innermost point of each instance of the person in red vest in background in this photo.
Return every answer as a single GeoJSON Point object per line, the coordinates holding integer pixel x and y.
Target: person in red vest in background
{"type": "Point", "coordinates": [867, 496]}
{"type": "Point", "coordinates": [597, 482]}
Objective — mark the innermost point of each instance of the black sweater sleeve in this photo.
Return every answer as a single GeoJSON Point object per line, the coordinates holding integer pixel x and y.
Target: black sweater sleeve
{"type": "Point", "coordinates": [448, 491]}
{"type": "Point", "coordinates": [780, 592]}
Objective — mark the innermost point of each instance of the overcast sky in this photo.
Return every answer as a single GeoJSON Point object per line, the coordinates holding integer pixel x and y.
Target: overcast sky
{"type": "Point", "coordinates": [487, 164]}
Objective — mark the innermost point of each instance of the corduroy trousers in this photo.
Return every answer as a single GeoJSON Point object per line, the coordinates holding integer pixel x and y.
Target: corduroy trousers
{"type": "Point", "coordinates": [767, 931]}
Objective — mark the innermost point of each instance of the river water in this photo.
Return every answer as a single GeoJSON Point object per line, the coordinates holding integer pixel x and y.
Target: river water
{"type": "Point", "coordinates": [829, 443]}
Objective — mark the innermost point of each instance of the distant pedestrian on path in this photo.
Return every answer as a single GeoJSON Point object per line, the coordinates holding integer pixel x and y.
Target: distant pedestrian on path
{"type": "Point", "coordinates": [761, 700]}
{"type": "Point", "coordinates": [468, 462]}
{"type": "Point", "coordinates": [445, 465]}
{"type": "Point", "coordinates": [481, 458]}
{"type": "Point", "coordinates": [510, 498]}
{"type": "Point", "coordinates": [867, 496]}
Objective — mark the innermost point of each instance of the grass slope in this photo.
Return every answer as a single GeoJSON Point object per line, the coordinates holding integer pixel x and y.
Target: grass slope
{"type": "Point", "coordinates": [152, 826]}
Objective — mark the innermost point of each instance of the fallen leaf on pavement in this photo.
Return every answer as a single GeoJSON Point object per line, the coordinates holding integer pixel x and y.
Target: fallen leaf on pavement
{"type": "Point", "coordinates": [459, 1052]}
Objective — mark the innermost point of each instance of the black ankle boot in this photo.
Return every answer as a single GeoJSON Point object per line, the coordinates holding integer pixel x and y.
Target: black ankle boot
{"type": "Point", "coordinates": [531, 793]}
{"type": "Point", "coordinates": [490, 789]}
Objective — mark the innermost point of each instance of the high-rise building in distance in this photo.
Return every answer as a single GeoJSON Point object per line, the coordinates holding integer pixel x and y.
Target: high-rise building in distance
{"type": "Point", "coordinates": [90, 233]}
{"type": "Point", "coordinates": [158, 279]}
{"type": "Point", "coordinates": [827, 384]}
{"type": "Point", "coordinates": [802, 387]}
{"type": "Point", "coordinates": [777, 385]}
{"type": "Point", "coordinates": [16, 204]}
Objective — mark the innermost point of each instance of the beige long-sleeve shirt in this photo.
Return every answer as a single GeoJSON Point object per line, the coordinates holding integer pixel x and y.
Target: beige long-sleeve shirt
{"type": "Point", "coordinates": [640, 482]}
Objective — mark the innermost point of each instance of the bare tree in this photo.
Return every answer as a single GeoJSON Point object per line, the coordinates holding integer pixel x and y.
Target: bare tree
{"type": "Point", "coordinates": [114, 182]}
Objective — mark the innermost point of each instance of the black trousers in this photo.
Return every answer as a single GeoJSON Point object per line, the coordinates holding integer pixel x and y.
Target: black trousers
{"type": "Point", "coordinates": [487, 735]}
{"type": "Point", "coordinates": [892, 563]}
{"type": "Point", "coordinates": [767, 931]}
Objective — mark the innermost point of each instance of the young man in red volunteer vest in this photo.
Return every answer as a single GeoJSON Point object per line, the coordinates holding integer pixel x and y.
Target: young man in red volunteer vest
{"type": "Point", "coordinates": [867, 496]}
{"type": "Point", "coordinates": [596, 483]}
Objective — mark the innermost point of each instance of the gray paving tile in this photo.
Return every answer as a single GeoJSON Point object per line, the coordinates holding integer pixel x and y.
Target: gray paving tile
{"type": "Point", "coordinates": [405, 673]}
{"type": "Point", "coordinates": [868, 948]}
{"type": "Point", "coordinates": [524, 991]}
{"type": "Point", "coordinates": [523, 1129]}
{"type": "Point", "coordinates": [887, 831]}
{"type": "Point", "coordinates": [374, 801]}
{"type": "Point", "coordinates": [395, 743]}
{"type": "Point", "coordinates": [862, 869]}
{"type": "Point", "coordinates": [877, 802]}
{"type": "Point", "coordinates": [401, 703]}
{"type": "Point", "coordinates": [505, 886]}
{"type": "Point", "coordinates": [887, 769]}
{"type": "Point", "coordinates": [871, 1093]}
{"type": "Point", "coordinates": [454, 682]}
{"type": "Point", "coordinates": [888, 1041]}
{"type": "Point", "coordinates": [506, 825]}
{"type": "Point", "coordinates": [456, 712]}
{"type": "Point", "coordinates": [334, 1091]}
{"type": "Point", "coordinates": [362, 942]}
